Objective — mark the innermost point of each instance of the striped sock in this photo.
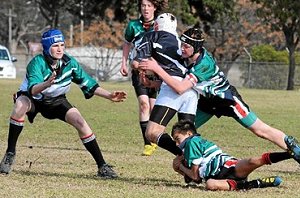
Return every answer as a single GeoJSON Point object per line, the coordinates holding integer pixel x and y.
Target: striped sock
{"type": "Point", "coordinates": [92, 146]}
{"type": "Point", "coordinates": [15, 129]}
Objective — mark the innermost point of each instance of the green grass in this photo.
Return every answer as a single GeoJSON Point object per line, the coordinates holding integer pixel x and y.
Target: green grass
{"type": "Point", "coordinates": [52, 162]}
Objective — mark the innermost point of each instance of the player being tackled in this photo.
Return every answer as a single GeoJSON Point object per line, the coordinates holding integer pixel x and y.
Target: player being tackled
{"type": "Point", "coordinates": [205, 161]}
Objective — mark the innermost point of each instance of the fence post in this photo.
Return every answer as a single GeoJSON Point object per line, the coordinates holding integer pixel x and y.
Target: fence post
{"type": "Point", "coordinates": [249, 68]}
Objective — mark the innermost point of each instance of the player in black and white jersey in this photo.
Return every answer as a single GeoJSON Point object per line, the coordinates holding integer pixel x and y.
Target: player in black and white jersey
{"type": "Point", "coordinates": [164, 46]}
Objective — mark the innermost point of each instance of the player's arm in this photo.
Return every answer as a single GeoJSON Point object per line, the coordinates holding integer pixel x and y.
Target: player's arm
{"type": "Point", "coordinates": [115, 96]}
{"type": "Point", "coordinates": [192, 172]}
{"type": "Point", "coordinates": [126, 50]}
{"type": "Point", "coordinates": [179, 86]}
{"type": "Point", "coordinates": [147, 82]}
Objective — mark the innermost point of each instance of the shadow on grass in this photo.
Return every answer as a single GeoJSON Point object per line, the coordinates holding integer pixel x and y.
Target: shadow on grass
{"type": "Point", "coordinates": [138, 181]}
{"type": "Point", "coordinates": [53, 148]}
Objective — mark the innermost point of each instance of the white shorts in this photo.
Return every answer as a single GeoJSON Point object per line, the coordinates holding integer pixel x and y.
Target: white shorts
{"type": "Point", "coordinates": [184, 103]}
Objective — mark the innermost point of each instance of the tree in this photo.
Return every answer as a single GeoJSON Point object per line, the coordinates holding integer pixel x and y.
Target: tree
{"type": "Point", "coordinates": [26, 23]}
{"type": "Point", "coordinates": [283, 16]}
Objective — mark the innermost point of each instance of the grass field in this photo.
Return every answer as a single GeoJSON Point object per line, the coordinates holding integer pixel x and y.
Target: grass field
{"type": "Point", "coordinates": [52, 162]}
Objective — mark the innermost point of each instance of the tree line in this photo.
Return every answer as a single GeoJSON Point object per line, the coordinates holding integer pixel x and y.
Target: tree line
{"type": "Point", "coordinates": [231, 26]}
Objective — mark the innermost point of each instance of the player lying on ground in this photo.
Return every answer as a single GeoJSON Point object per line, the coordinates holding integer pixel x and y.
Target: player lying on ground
{"type": "Point", "coordinates": [203, 160]}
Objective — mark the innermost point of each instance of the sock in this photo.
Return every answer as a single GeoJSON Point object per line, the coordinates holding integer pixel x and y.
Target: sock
{"type": "Point", "coordinates": [232, 184]}
{"type": "Point", "coordinates": [92, 146]}
{"type": "Point", "coordinates": [245, 185]}
{"type": "Point", "coordinates": [143, 125]}
{"type": "Point", "coordinates": [275, 157]}
{"type": "Point", "coordinates": [166, 142]}
{"type": "Point", "coordinates": [15, 129]}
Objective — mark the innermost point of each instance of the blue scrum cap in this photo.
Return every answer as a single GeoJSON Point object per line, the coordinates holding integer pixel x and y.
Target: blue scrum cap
{"type": "Point", "coordinates": [49, 38]}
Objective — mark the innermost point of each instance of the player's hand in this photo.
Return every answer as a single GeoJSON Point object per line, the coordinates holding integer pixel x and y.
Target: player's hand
{"type": "Point", "coordinates": [118, 96]}
{"type": "Point", "coordinates": [124, 70]}
{"type": "Point", "coordinates": [149, 64]}
{"type": "Point", "coordinates": [51, 80]}
{"type": "Point", "coordinates": [177, 161]}
{"type": "Point", "coordinates": [143, 78]}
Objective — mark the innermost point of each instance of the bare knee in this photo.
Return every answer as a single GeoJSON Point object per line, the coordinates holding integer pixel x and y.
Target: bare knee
{"type": "Point", "coordinates": [22, 106]}
{"type": "Point", "coordinates": [74, 118]}
{"type": "Point", "coordinates": [144, 106]}
{"type": "Point", "coordinates": [153, 131]}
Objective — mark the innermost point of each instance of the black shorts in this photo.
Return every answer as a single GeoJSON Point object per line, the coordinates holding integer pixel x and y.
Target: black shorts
{"type": "Point", "coordinates": [228, 171]}
{"type": "Point", "coordinates": [221, 106]}
{"type": "Point", "coordinates": [162, 115]}
{"type": "Point", "coordinates": [54, 108]}
{"type": "Point", "coordinates": [139, 88]}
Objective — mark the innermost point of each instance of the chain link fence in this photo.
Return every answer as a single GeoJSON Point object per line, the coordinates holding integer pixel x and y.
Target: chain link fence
{"type": "Point", "coordinates": [259, 75]}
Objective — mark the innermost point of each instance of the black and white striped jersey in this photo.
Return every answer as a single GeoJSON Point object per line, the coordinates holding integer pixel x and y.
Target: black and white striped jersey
{"type": "Point", "coordinates": [165, 48]}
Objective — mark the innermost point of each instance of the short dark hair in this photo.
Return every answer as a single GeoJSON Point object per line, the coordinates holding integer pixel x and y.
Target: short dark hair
{"type": "Point", "coordinates": [183, 126]}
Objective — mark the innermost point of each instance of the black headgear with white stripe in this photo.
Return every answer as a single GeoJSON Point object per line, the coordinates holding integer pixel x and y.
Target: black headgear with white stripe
{"type": "Point", "coordinates": [193, 37]}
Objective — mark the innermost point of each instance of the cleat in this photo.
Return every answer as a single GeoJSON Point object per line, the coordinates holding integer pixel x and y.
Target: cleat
{"type": "Point", "coordinates": [149, 149]}
{"type": "Point", "coordinates": [269, 182]}
{"type": "Point", "coordinates": [106, 172]}
{"type": "Point", "coordinates": [154, 145]}
{"type": "Point", "coordinates": [293, 147]}
{"type": "Point", "coordinates": [7, 162]}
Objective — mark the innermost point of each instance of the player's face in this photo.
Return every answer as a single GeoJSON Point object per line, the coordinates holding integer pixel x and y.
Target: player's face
{"type": "Point", "coordinates": [187, 50]}
{"type": "Point", "coordinates": [179, 137]}
{"type": "Point", "coordinates": [57, 50]}
{"type": "Point", "coordinates": [147, 9]}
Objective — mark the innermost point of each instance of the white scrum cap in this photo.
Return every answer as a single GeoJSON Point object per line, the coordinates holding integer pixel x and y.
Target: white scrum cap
{"type": "Point", "coordinates": [166, 22]}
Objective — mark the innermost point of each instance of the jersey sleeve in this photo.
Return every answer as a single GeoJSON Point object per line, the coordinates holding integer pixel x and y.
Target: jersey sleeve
{"type": "Point", "coordinates": [86, 83]}
{"type": "Point", "coordinates": [129, 32]}
{"type": "Point", "coordinates": [144, 50]}
{"type": "Point", "coordinates": [192, 152]}
{"type": "Point", "coordinates": [34, 73]}
{"type": "Point", "coordinates": [203, 71]}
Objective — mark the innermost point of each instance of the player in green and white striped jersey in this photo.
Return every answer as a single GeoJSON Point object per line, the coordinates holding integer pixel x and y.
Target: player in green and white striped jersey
{"type": "Point", "coordinates": [204, 160]}
{"type": "Point", "coordinates": [48, 79]}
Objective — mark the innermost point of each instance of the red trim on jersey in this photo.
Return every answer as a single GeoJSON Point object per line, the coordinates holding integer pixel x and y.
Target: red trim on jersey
{"type": "Point", "coordinates": [230, 163]}
{"type": "Point", "coordinates": [240, 110]}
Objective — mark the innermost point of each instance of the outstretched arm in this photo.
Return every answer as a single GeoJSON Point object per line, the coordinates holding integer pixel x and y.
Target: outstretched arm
{"type": "Point", "coordinates": [115, 96]}
{"type": "Point", "coordinates": [38, 88]}
{"type": "Point", "coordinates": [179, 86]}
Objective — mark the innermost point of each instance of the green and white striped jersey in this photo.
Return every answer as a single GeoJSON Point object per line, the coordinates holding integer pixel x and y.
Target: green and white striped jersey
{"type": "Point", "coordinates": [135, 31]}
{"type": "Point", "coordinates": [38, 70]}
{"type": "Point", "coordinates": [208, 79]}
{"type": "Point", "coordinates": [208, 156]}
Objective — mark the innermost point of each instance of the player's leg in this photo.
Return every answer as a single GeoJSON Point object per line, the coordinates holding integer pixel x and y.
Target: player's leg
{"type": "Point", "coordinates": [159, 118]}
{"type": "Point", "coordinates": [22, 105]}
{"type": "Point", "coordinates": [72, 116]}
{"type": "Point", "coordinates": [231, 184]}
{"type": "Point", "coordinates": [242, 113]}
{"type": "Point", "coordinates": [146, 99]}
{"type": "Point", "coordinates": [245, 166]}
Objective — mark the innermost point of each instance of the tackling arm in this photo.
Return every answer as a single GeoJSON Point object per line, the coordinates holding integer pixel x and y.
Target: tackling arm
{"type": "Point", "coordinates": [179, 86]}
